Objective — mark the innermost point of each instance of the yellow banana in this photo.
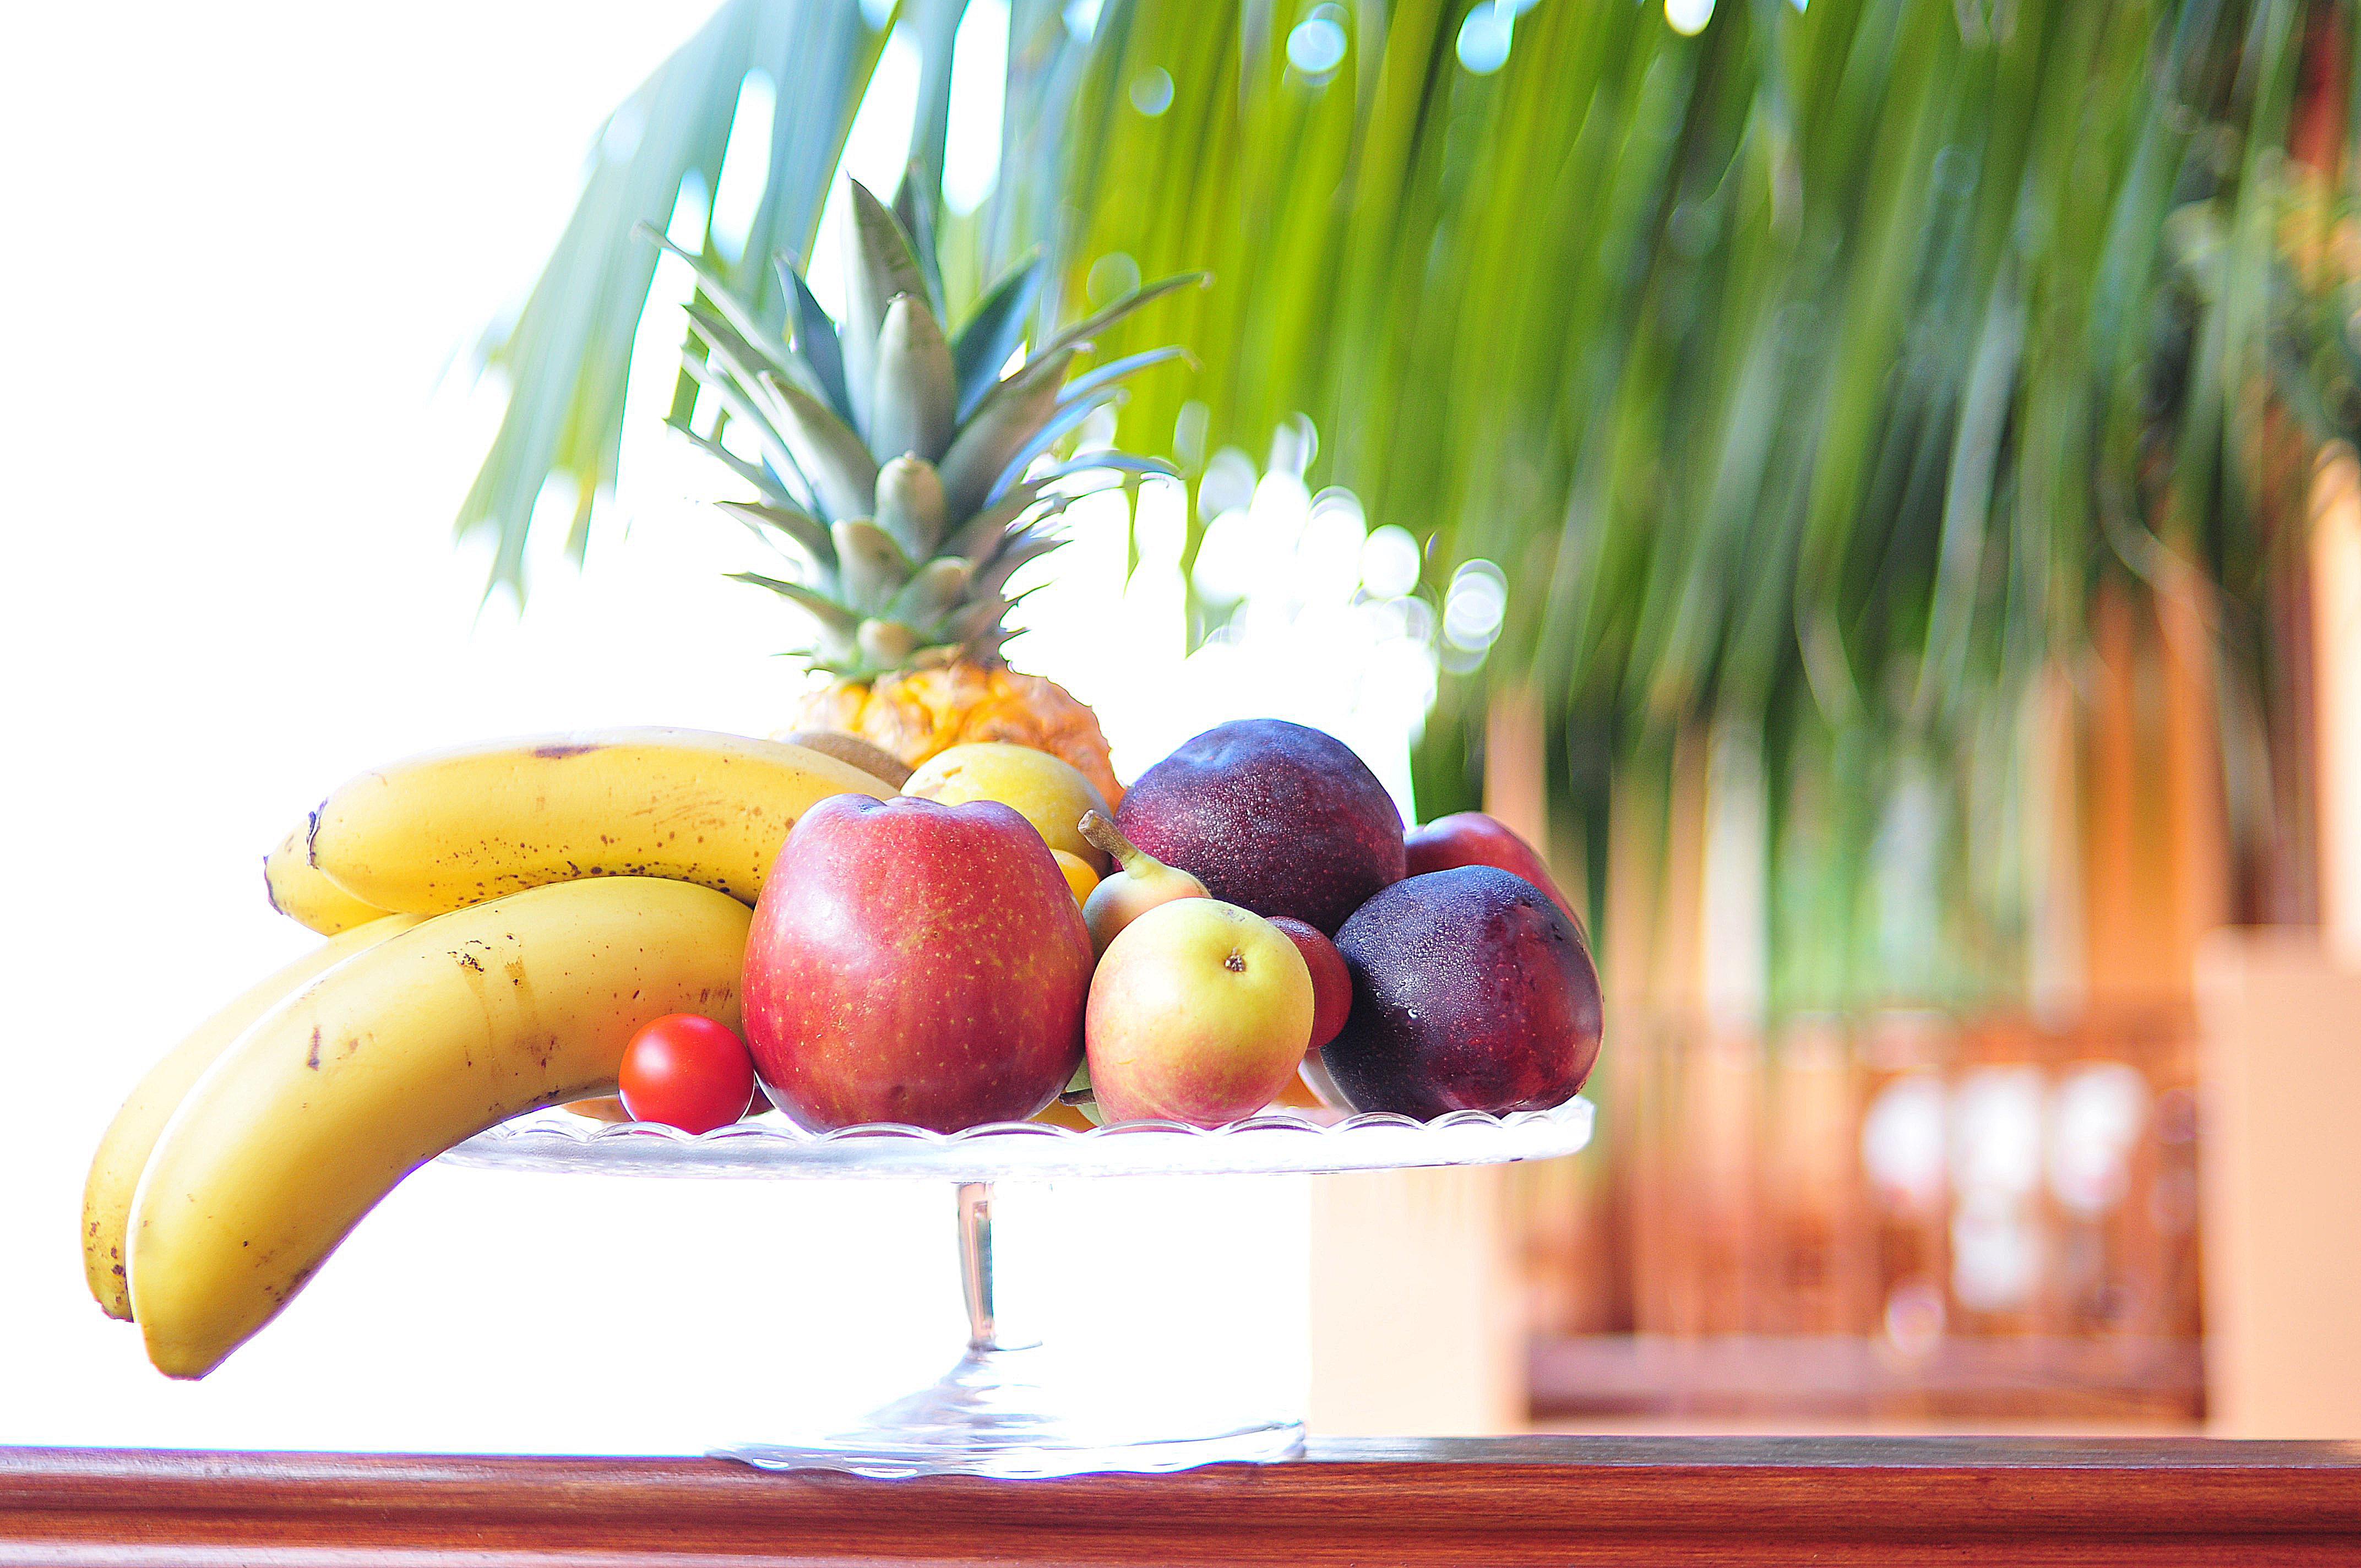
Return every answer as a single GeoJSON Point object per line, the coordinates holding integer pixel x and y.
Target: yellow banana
{"type": "Point", "coordinates": [307, 897]}
{"type": "Point", "coordinates": [123, 1152]}
{"type": "Point", "coordinates": [321, 1106]}
{"type": "Point", "coordinates": [445, 832]}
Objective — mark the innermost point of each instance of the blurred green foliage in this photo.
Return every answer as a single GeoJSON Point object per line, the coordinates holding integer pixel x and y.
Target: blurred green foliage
{"type": "Point", "coordinates": [1807, 377]}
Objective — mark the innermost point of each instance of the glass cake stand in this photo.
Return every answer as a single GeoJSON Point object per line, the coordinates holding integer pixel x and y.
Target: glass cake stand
{"type": "Point", "coordinates": [1005, 1408]}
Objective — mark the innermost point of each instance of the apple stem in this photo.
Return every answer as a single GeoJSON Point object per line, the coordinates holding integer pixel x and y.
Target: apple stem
{"type": "Point", "coordinates": [1108, 838]}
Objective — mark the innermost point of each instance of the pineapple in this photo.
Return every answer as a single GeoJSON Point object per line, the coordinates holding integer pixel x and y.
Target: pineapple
{"type": "Point", "coordinates": [908, 479]}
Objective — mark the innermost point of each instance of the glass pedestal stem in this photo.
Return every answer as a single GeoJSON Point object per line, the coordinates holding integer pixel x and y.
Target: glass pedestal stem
{"type": "Point", "coordinates": [1008, 1408]}
{"type": "Point", "coordinates": [975, 1265]}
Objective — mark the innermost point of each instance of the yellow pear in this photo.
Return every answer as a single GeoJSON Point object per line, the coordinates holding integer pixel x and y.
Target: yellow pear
{"type": "Point", "coordinates": [1144, 883]}
{"type": "Point", "coordinates": [1048, 792]}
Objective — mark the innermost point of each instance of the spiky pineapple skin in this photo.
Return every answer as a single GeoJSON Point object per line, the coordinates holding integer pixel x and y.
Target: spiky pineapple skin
{"type": "Point", "coordinates": [917, 713]}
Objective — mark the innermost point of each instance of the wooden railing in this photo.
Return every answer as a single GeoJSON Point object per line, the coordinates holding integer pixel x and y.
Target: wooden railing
{"type": "Point", "coordinates": [1502, 1504]}
{"type": "Point", "coordinates": [1895, 1216]}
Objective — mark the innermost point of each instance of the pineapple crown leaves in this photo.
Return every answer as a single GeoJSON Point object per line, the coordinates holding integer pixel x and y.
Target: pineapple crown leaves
{"type": "Point", "coordinates": [898, 467]}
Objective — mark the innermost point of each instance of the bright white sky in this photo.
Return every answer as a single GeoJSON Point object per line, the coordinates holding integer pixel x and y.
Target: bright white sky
{"type": "Point", "coordinates": [242, 247]}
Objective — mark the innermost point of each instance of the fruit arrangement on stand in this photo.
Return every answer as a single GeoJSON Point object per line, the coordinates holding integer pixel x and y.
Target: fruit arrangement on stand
{"type": "Point", "coordinates": [934, 906]}
{"type": "Point", "coordinates": [552, 919]}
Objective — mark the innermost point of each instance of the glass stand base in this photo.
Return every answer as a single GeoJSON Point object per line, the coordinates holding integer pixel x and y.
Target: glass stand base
{"type": "Point", "coordinates": [1011, 1409]}
{"type": "Point", "coordinates": [991, 1415]}
{"type": "Point", "coordinates": [1003, 1411]}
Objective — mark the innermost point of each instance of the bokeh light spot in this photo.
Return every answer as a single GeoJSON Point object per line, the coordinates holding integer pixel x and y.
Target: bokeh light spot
{"type": "Point", "coordinates": [1151, 91]}
{"type": "Point", "coordinates": [1689, 17]}
{"type": "Point", "coordinates": [1484, 38]}
{"type": "Point", "coordinates": [1389, 562]}
{"type": "Point", "coordinates": [1113, 276]}
{"type": "Point", "coordinates": [1477, 605]}
{"type": "Point", "coordinates": [1316, 46]}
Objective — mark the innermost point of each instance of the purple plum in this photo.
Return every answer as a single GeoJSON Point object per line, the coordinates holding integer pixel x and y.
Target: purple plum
{"type": "Point", "coordinates": [1271, 816]}
{"type": "Point", "coordinates": [1472, 991]}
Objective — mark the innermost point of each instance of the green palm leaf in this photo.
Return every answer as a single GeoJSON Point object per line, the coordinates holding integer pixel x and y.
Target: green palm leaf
{"type": "Point", "coordinates": [568, 358]}
{"type": "Point", "coordinates": [1807, 380]}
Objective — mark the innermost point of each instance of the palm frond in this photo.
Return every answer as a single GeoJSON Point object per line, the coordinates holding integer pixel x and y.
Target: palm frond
{"type": "Point", "coordinates": [568, 358]}
{"type": "Point", "coordinates": [1808, 379]}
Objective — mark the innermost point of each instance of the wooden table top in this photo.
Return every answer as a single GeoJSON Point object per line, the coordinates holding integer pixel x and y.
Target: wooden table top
{"type": "Point", "coordinates": [1506, 1502]}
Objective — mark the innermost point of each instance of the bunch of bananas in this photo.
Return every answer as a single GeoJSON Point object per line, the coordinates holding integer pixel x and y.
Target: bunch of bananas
{"type": "Point", "coordinates": [502, 919]}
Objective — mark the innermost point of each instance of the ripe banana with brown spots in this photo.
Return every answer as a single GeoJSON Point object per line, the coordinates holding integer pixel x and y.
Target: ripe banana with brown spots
{"type": "Point", "coordinates": [123, 1152]}
{"type": "Point", "coordinates": [321, 1106]}
{"type": "Point", "coordinates": [445, 832]}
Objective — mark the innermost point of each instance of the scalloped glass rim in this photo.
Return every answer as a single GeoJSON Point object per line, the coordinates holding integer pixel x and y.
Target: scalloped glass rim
{"type": "Point", "coordinates": [1276, 1143]}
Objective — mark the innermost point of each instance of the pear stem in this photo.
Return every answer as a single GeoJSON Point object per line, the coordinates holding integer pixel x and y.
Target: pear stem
{"type": "Point", "coordinates": [1106, 836]}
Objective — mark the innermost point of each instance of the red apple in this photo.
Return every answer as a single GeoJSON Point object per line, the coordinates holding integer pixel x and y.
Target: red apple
{"type": "Point", "coordinates": [1473, 839]}
{"type": "Point", "coordinates": [914, 962]}
{"type": "Point", "coordinates": [1332, 982]}
{"type": "Point", "coordinates": [1198, 1013]}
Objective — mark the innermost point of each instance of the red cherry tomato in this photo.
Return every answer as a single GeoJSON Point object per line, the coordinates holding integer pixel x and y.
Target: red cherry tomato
{"type": "Point", "coordinates": [687, 1072]}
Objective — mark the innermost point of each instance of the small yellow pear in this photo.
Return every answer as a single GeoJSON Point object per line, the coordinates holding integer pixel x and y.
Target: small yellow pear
{"type": "Point", "coordinates": [1048, 792]}
{"type": "Point", "coordinates": [1142, 884]}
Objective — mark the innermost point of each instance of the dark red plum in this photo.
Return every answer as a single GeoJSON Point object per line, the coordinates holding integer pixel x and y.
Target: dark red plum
{"type": "Point", "coordinates": [1272, 817]}
{"type": "Point", "coordinates": [1471, 992]}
